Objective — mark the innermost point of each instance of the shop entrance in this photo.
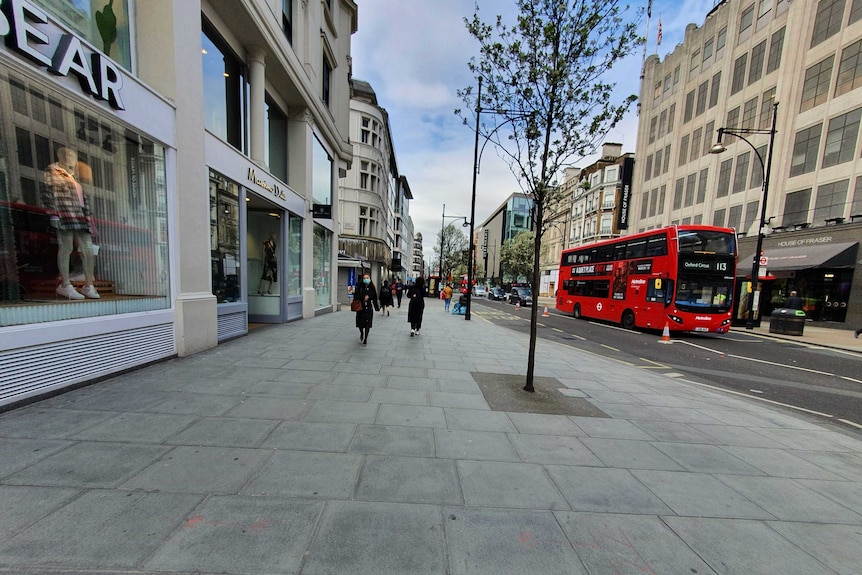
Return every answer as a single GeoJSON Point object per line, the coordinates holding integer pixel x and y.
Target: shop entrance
{"type": "Point", "coordinates": [265, 256]}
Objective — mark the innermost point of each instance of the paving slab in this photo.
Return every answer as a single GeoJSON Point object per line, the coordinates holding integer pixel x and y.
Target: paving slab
{"type": "Point", "coordinates": [409, 480]}
{"type": "Point", "coordinates": [605, 490]}
{"type": "Point", "coordinates": [514, 485]}
{"type": "Point", "coordinates": [306, 474]}
{"type": "Point", "coordinates": [475, 445]}
{"type": "Point", "coordinates": [310, 436]}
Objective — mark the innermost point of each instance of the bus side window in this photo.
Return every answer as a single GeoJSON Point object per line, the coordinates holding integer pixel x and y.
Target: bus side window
{"type": "Point", "coordinates": [660, 293]}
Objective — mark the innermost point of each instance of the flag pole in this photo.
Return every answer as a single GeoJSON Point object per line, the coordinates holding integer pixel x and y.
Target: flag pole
{"type": "Point", "coordinates": [646, 39]}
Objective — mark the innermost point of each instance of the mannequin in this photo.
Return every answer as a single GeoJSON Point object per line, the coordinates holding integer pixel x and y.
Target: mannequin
{"type": "Point", "coordinates": [270, 266]}
{"type": "Point", "coordinates": [63, 197]}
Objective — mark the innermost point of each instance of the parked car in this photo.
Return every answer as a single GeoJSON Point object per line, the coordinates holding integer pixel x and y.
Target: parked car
{"type": "Point", "coordinates": [521, 295]}
{"type": "Point", "coordinates": [497, 293]}
{"type": "Point", "coordinates": [479, 291]}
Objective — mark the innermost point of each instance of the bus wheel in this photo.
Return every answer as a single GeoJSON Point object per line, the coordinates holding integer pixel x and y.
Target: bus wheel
{"type": "Point", "coordinates": [577, 312]}
{"type": "Point", "coordinates": [628, 319]}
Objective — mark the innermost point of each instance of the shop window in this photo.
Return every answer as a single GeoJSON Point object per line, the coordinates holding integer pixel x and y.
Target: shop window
{"type": "Point", "coordinates": [850, 68]}
{"type": "Point", "coordinates": [841, 136]}
{"type": "Point", "coordinates": [805, 148]}
{"type": "Point", "coordinates": [276, 140]}
{"type": "Point", "coordinates": [83, 215]}
{"type": "Point", "coordinates": [322, 174]}
{"type": "Point", "coordinates": [830, 201]}
{"type": "Point", "coordinates": [294, 256]}
{"type": "Point", "coordinates": [796, 207]}
{"type": "Point", "coordinates": [225, 90]}
{"type": "Point", "coordinates": [827, 21]}
{"type": "Point", "coordinates": [815, 87]}
{"type": "Point", "coordinates": [224, 238]}
{"type": "Point", "coordinates": [776, 45]}
{"type": "Point", "coordinates": [322, 266]}
{"type": "Point", "coordinates": [105, 25]}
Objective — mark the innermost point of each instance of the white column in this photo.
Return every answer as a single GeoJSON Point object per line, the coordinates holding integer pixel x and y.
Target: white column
{"type": "Point", "coordinates": [257, 104]}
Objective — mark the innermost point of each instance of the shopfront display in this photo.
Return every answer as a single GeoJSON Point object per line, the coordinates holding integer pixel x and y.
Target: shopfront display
{"type": "Point", "coordinates": [83, 207]}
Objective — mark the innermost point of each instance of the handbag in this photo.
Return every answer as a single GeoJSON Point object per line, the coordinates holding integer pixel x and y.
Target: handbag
{"type": "Point", "coordinates": [355, 305]}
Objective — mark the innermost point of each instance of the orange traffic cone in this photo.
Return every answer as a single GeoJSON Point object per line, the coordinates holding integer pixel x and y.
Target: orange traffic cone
{"type": "Point", "coordinates": [518, 304]}
{"type": "Point", "coordinates": [545, 313]}
{"type": "Point", "coordinates": [665, 334]}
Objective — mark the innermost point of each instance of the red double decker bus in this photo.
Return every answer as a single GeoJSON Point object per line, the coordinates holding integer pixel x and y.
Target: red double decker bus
{"type": "Point", "coordinates": [679, 276]}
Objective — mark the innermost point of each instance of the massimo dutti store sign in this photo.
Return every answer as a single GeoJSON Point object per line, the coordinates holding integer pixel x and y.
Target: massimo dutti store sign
{"type": "Point", "coordinates": [27, 31]}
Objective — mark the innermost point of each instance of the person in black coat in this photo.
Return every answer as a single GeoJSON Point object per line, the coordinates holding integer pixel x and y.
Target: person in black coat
{"type": "Point", "coordinates": [385, 298]}
{"type": "Point", "coordinates": [366, 294]}
{"type": "Point", "coordinates": [794, 301]}
{"type": "Point", "coordinates": [416, 306]}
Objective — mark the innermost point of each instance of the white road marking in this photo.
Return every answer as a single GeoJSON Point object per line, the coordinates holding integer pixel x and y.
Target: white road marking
{"type": "Point", "coordinates": [716, 388]}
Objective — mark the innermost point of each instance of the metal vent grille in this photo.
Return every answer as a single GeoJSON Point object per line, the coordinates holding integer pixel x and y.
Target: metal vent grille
{"type": "Point", "coordinates": [232, 325]}
{"type": "Point", "coordinates": [41, 369]}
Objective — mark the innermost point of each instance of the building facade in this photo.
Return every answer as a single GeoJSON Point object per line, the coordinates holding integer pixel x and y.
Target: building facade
{"type": "Point", "coordinates": [512, 217]}
{"type": "Point", "coordinates": [417, 267]}
{"type": "Point", "coordinates": [729, 73]}
{"type": "Point", "coordinates": [168, 178]}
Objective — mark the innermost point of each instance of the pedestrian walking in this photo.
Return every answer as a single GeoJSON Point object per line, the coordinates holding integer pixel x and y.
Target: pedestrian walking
{"type": "Point", "coordinates": [416, 305]}
{"type": "Point", "coordinates": [399, 290]}
{"type": "Point", "coordinates": [447, 297]}
{"type": "Point", "coordinates": [857, 332]}
{"type": "Point", "coordinates": [366, 294]}
{"type": "Point", "coordinates": [385, 298]}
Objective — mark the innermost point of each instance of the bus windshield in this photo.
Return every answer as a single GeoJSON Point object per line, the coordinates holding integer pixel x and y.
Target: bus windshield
{"type": "Point", "coordinates": [704, 294]}
{"type": "Point", "coordinates": [706, 242]}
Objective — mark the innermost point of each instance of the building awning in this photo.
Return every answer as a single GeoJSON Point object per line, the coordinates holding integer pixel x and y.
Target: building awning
{"type": "Point", "coordinates": [804, 257]}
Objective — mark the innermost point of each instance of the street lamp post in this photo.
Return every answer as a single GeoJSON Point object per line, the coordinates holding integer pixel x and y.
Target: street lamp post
{"type": "Point", "coordinates": [718, 148]}
{"type": "Point", "coordinates": [442, 233]}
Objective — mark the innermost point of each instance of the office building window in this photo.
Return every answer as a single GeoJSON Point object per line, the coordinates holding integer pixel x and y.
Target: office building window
{"type": "Point", "coordinates": [841, 136]}
{"type": "Point", "coordinates": [645, 204]}
{"type": "Point", "coordinates": [653, 200]}
{"type": "Point", "coordinates": [796, 207]}
{"type": "Point", "coordinates": [765, 120]}
{"type": "Point", "coordinates": [732, 118]}
{"type": "Point", "coordinates": [805, 149]}
{"type": "Point", "coordinates": [225, 90]}
{"type": "Point", "coordinates": [689, 107]}
{"type": "Point", "coordinates": [776, 45]}
{"type": "Point", "coordinates": [734, 217]}
{"type": "Point", "coordinates": [738, 80]}
{"type": "Point", "coordinates": [326, 79]}
{"type": "Point", "coordinates": [764, 13]}
{"type": "Point", "coordinates": [740, 174]}
{"type": "Point", "coordinates": [675, 77]}
{"type": "Point", "coordinates": [757, 170]}
{"type": "Point", "coordinates": [287, 19]}
{"type": "Point", "coordinates": [321, 165]}
{"type": "Point", "coordinates": [695, 144]}
{"type": "Point", "coordinates": [755, 70]}
{"type": "Point", "coordinates": [708, 137]}
{"type": "Point", "coordinates": [658, 163]}
{"type": "Point", "coordinates": [662, 192]}
{"type": "Point", "coordinates": [827, 21]}
{"type": "Point", "coordinates": [701, 186]}
{"type": "Point", "coordinates": [666, 84]}
{"type": "Point", "coordinates": [718, 218]}
{"type": "Point", "coordinates": [815, 87]}
{"type": "Point", "coordinates": [746, 21]}
{"type": "Point", "coordinates": [648, 171]}
{"type": "Point", "coordinates": [677, 193]}
{"type": "Point", "coordinates": [750, 216]}
{"type": "Point", "coordinates": [708, 48]}
{"type": "Point", "coordinates": [690, 188]}
{"type": "Point", "coordinates": [856, 206]}
{"type": "Point", "coordinates": [724, 171]}
{"type": "Point", "coordinates": [662, 123]}
{"type": "Point", "coordinates": [749, 114]}
{"type": "Point", "coordinates": [830, 201]}
{"type": "Point", "coordinates": [694, 64]}
{"type": "Point", "coordinates": [855, 11]}
{"type": "Point", "coordinates": [671, 112]}
{"type": "Point", "coordinates": [683, 151]}
{"type": "Point", "coordinates": [850, 68]}
{"type": "Point", "coordinates": [275, 140]}
{"type": "Point", "coordinates": [713, 89]}
{"type": "Point", "coordinates": [653, 124]}
{"type": "Point", "coordinates": [702, 94]}
{"type": "Point", "coordinates": [720, 41]}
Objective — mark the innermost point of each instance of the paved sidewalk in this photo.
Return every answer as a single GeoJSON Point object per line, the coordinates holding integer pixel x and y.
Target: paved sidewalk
{"type": "Point", "coordinates": [295, 450]}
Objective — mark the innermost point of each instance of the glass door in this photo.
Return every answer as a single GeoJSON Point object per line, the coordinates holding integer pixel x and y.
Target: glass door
{"type": "Point", "coordinates": [265, 256]}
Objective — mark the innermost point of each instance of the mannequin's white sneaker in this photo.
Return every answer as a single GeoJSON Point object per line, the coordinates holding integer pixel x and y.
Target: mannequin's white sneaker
{"type": "Point", "coordinates": [69, 291]}
{"type": "Point", "coordinates": [90, 292]}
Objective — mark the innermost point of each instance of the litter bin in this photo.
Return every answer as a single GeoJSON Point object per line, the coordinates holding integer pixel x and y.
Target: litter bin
{"type": "Point", "coordinates": [787, 321]}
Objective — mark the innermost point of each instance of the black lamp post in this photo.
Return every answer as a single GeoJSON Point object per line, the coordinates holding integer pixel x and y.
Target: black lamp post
{"type": "Point", "coordinates": [718, 148]}
{"type": "Point", "coordinates": [442, 233]}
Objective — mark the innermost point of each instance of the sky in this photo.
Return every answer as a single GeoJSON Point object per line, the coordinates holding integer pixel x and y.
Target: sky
{"type": "Point", "coordinates": [414, 53]}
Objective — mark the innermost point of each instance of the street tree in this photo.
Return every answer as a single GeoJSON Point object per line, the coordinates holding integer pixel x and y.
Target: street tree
{"type": "Point", "coordinates": [454, 245]}
{"type": "Point", "coordinates": [517, 255]}
{"type": "Point", "coordinates": [545, 88]}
